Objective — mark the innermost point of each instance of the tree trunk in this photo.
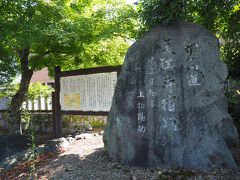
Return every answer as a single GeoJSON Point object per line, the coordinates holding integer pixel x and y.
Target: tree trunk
{"type": "Point", "coordinates": [18, 99]}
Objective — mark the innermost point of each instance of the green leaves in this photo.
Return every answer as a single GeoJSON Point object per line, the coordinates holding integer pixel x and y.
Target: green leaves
{"type": "Point", "coordinates": [58, 31]}
{"type": "Point", "coordinates": [67, 33]}
{"type": "Point", "coordinates": [8, 66]}
{"type": "Point", "coordinates": [204, 12]}
{"type": "Point", "coordinates": [37, 90]}
{"type": "Point", "coordinates": [154, 12]}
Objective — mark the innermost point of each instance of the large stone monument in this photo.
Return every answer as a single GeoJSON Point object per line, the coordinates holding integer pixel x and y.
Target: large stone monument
{"type": "Point", "coordinates": [169, 108]}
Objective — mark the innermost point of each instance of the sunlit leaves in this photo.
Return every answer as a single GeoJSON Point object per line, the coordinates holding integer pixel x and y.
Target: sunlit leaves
{"type": "Point", "coordinates": [58, 31]}
{"type": "Point", "coordinates": [37, 90]}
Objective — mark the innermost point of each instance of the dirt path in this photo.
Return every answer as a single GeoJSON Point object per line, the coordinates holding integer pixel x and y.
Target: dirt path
{"type": "Point", "coordinates": [85, 160]}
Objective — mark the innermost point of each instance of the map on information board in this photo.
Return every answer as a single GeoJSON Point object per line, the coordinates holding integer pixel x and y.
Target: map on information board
{"type": "Point", "coordinates": [72, 101]}
{"type": "Point", "coordinates": [92, 92]}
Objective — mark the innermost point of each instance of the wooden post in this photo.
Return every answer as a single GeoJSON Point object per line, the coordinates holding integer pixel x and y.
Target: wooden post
{"type": "Point", "coordinates": [53, 115]}
{"type": "Point", "coordinates": [57, 107]}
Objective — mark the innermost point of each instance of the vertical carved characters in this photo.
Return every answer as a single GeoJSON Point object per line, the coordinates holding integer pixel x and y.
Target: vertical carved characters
{"type": "Point", "coordinates": [194, 75]}
{"type": "Point", "coordinates": [171, 110]}
{"type": "Point", "coordinates": [168, 104]}
{"type": "Point", "coordinates": [141, 118]}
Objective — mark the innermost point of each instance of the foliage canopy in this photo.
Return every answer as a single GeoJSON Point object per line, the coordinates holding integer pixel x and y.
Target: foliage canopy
{"type": "Point", "coordinates": [67, 33]}
{"type": "Point", "coordinates": [58, 31]}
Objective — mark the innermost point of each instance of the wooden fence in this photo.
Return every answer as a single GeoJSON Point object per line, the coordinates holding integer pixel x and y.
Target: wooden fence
{"type": "Point", "coordinates": [39, 111]}
{"type": "Point", "coordinates": [41, 104]}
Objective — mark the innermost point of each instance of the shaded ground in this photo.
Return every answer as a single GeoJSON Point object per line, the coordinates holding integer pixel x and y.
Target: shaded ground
{"type": "Point", "coordinates": [85, 160]}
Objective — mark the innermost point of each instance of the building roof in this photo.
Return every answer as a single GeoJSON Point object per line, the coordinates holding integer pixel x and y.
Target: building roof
{"type": "Point", "coordinates": [41, 76]}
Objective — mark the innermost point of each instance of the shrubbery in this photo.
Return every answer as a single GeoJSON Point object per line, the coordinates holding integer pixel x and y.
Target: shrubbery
{"type": "Point", "coordinates": [233, 98]}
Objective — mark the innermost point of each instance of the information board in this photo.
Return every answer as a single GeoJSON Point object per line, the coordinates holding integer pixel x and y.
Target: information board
{"type": "Point", "coordinates": [92, 92]}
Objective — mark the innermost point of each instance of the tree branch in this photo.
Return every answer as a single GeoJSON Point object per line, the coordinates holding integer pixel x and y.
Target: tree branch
{"type": "Point", "coordinates": [122, 36]}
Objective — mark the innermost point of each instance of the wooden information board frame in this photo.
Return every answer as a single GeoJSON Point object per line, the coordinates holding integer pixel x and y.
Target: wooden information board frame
{"type": "Point", "coordinates": [57, 112]}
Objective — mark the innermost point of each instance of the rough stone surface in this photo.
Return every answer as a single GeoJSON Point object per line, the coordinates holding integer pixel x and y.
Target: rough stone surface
{"type": "Point", "coordinates": [83, 136]}
{"type": "Point", "coordinates": [56, 145]}
{"type": "Point", "coordinates": [169, 108]}
{"type": "Point", "coordinates": [71, 140]}
{"type": "Point", "coordinates": [12, 144]}
{"type": "Point", "coordinates": [17, 158]}
{"type": "Point", "coordinates": [53, 145]}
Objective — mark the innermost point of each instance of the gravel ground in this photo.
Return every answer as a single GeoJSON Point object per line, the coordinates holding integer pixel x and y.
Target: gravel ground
{"type": "Point", "coordinates": [85, 160]}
